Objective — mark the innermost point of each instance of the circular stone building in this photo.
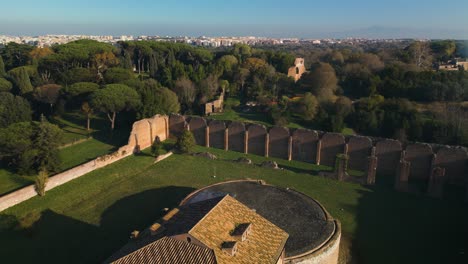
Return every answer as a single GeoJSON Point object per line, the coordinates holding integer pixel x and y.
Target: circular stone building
{"type": "Point", "coordinates": [314, 236]}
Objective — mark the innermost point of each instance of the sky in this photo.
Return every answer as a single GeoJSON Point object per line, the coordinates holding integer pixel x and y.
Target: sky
{"type": "Point", "coordinates": [267, 18]}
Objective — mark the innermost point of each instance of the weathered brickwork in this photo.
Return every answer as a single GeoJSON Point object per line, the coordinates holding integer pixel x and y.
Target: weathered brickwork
{"type": "Point", "coordinates": [359, 150]}
{"type": "Point", "coordinates": [454, 161]}
{"type": "Point", "coordinates": [236, 133]}
{"type": "Point", "coordinates": [304, 145]}
{"type": "Point", "coordinates": [217, 129]}
{"type": "Point", "coordinates": [420, 157]}
{"type": "Point", "coordinates": [388, 152]}
{"type": "Point", "coordinates": [177, 125]}
{"type": "Point", "coordinates": [257, 134]}
{"type": "Point", "coordinates": [279, 142]}
{"type": "Point", "coordinates": [332, 145]}
{"type": "Point", "coordinates": [197, 126]}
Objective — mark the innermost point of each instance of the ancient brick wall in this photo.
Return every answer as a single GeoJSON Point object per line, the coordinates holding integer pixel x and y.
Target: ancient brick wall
{"type": "Point", "coordinates": [359, 150]}
{"type": "Point", "coordinates": [455, 162]}
{"type": "Point", "coordinates": [257, 139]}
{"type": "Point", "coordinates": [217, 130]}
{"type": "Point", "coordinates": [305, 145]}
{"type": "Point", "coordinates": [159, 127]}
{"type": "Point", "coordinates": [236, 136]}
{"type": "Point", "coordinates": [279, 142]}
{"type": "Point", "coordinates": [198, 126]}
{"type": "Point", "coordinates": [420, 158]}
{"type": "Point", "coordinates": [332, 145]}
{"type": "Point", "coordinates": [141, 134]}
{"type": "Point", "coordinates": [176, 125]}
{"type": "Point", "coordinates": [388, 152]}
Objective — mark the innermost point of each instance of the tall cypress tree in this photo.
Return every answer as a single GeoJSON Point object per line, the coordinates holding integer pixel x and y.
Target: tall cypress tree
{"type": "Point", "coordinates": [21, 78]}
{"type": "Point", "coordinates": [2, 67]}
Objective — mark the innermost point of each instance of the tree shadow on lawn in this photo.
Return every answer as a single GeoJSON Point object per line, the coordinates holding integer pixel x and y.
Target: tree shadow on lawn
{"type": "Point", "coordinates": [54, 238]}
{"type": "Point", "coordinates": [397, 227]}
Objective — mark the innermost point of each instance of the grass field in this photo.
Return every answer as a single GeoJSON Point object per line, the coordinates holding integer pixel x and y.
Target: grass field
{"type": "Point", "coordinates": [102, 142]}
{"type": "Point", "coordinates": [89, 218]}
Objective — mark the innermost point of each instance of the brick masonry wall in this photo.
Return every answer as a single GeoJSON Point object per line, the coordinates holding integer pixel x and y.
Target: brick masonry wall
{"type": "Point", "coordinates": [198, 127]}
{"type": "Point", "coordinates": [332, 145]}
{"type": "Point", "coordinates": [236, 131]}
{"type": "Point", "coordinates": [359, 150]}
{"type": "Point", "coordinates": [305, 145]}
{"type": "Point", "coordinates": [256, 140]}
{"type": "Point", "coordinates": [217, 130]}
{"type": "Point", "coordinates": [279, 142]}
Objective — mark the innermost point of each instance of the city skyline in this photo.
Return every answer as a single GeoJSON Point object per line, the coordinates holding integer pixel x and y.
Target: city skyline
{"type": "Point", "coordinates": [304, 19]}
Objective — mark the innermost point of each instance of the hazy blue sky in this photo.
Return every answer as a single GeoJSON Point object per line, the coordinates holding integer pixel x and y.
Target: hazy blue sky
{"type": "Point", "coordinates": [301, 18]}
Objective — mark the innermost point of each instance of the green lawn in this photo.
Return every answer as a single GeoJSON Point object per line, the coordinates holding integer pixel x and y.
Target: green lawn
{"type": "Point", "coordinates": [103, 142]}
{"type": "Point", "coordinates": [89, 218]}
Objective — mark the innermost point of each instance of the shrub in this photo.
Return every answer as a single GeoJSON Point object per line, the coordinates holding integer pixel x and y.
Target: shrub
{"type": "Point", "coordinates": [41, 182]}
{"type": "Point", "coordinates": [186, 142]}
{"type": "Point", "coordinates": [156, 147]}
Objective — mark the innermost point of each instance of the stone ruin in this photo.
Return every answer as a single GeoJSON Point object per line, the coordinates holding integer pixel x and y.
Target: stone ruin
{"type": "Point", "coordinates": [297, 70]}
{"type": "Point", "coordinates": [430, 164]}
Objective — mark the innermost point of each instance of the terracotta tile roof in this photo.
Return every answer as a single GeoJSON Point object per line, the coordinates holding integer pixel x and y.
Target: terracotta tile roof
{"type": "Point", "coordinates": [169, 251]}
{"type": "Point", "coordinates": [213, 223]}
{"type": "Point", "coordinates": [264, 244]}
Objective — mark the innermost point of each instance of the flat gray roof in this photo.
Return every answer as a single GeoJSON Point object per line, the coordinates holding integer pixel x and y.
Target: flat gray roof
{"type": "Point", "coordinates": [299, 215]}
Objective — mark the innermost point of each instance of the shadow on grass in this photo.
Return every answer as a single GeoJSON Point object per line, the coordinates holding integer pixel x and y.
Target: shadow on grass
{"type": "Point", "coordinates": [397, 227]}
{"type": "Point", "coordinates": [50, 237]}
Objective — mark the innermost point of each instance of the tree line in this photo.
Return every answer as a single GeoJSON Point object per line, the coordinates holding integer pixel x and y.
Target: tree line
{"type": "Point", "coordinates": [370, 91]}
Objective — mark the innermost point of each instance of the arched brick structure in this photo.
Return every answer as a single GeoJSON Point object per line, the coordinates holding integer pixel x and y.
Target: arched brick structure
{"type": "Point", "coordinates": [359, 150]}
{"type": "Point", "coordinates": [455, 162]}
{"type": "Point", "coordinates": [176, 125]}
{"type": "Point", "coordinates": [217, 129]}
{"type": "Point", "coordinates": [198, 127]}
{"type": "Point", "coordinates": [257, 139]}
{"type": "Point", "coordinates": [279, 142]}
{"type": "Point", "coordinates": [420, 158]}
{"type": "Point", "coordinates": [332, 145]}
{"type": "Point", "coordinates": [305, 145]}
{"type": "Point", "coordinates": [388, 152]}
{"type": "Point", "coordinates": [236, 136]}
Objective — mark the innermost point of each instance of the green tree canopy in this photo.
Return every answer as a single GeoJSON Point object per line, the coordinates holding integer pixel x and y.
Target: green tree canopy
{"type": "Point", "coordinates": [13, 109]}
{"type": "Point", "coordinates": [321, 81]}
{"type": "Point", "coordinates": [21, 80]}
{"type": "Point", "coordinates": [82, 88]}
{"type": "Point", "coordinates": [32, 146]}
{"type": "Point", "coordinates": [118, 75]}
{"type": "Point", "coordinates": [113, 99]}
{"type": "Point", "coordinates": [47, 94]}
{"type": "Point", "coordinates": [308, 106]}
{"type": "Point", "coordinates": [156, 100]}
{"type": "Point", "coordinates": [186, 142]}
{"type": "Point", "coordinates": [5, 85]}
{"type": "Point", "coordinates": [2, 67]}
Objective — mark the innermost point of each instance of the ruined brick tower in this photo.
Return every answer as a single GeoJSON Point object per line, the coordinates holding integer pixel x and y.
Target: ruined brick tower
{"type": "Point", "coordinates": [298, 69]}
